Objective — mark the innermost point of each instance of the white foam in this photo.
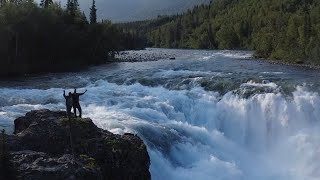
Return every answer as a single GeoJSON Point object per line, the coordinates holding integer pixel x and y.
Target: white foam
{"type": "Point", "coordinates": [264, 84]}
{"type": "Point", "coordinates": [195, 134]}
{"type": "Point", "coordinates": [178, 73]}
{"type": "Point", "coordinates": [235, 54]}
{"type": "Point", "coordinates": [272, 72]}
{"type": "Point", "coordinates": [253, 126]}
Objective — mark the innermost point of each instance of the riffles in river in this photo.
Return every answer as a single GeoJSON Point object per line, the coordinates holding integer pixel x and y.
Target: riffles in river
{"type": "Point", "coordinates": [205, 115]}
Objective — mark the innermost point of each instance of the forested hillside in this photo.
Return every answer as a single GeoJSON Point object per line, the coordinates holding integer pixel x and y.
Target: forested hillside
{"type": "Point", "coordinates": [50, 38]}
{"type": "Point", "coordinates": [287, 30]}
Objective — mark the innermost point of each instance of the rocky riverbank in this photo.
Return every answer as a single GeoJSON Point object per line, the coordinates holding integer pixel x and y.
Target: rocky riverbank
{"type": "Point", "coordinates": [145, 55]}
{"type": "Point", "coordinates": [41, 149]}
{"type": "Point", "coordinates": [284, 63]}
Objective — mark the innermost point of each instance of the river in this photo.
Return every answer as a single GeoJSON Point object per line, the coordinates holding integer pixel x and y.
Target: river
{"type": "Point", "coordinates": [207, 115]}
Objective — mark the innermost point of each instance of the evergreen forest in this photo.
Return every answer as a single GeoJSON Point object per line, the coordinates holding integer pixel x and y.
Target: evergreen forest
{"type": "Point", "coordinates": [286, 30]}
{"type": "Point", "coordinates": [51, 37]}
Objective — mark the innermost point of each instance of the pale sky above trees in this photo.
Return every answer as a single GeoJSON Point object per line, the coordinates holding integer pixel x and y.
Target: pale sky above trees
{"type": "Point", "coordinates": [126, 10]}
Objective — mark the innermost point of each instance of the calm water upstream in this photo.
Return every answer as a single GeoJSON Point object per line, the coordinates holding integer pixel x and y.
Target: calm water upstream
{"type": "Point", "coordinates": [208, 115]}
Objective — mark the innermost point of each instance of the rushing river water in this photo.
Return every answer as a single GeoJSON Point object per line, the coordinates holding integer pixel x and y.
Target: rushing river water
{"type": "Point", "coordinates": [208, 115]}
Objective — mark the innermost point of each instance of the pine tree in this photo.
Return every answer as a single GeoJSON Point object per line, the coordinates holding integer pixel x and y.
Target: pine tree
{"type": "Point", "coordinates": [72, 7]}
{"type": "Point", "coordinates": [93, 13]}
{"type": "Point", "coordinates": [46, 3]}
{"type": "Point", "coordinates": [84, 17]}
{"type": "Point", "coordinates": [75, 7]}
{"type": "Point", "coordinates": [76, 4]}
{"type": "Point", "coordinates": [68, 5]}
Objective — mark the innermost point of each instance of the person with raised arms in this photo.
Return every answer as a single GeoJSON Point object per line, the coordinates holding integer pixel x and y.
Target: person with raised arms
{"type": "Point", "coordinates": [76, 103]}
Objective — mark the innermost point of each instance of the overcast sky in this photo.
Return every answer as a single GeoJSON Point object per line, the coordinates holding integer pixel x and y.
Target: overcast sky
{"type": "Point", "coordinates": [127, 10]}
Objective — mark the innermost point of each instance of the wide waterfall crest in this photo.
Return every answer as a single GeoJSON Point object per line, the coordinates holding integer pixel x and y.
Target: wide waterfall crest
{"type": "Point", "coordinates": [201, 116]}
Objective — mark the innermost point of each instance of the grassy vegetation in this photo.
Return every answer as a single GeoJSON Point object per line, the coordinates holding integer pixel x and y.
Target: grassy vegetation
{"type": "Point", "coordinates": [75, 121]}
{"type": "Point", "coordinates": [90, 162]}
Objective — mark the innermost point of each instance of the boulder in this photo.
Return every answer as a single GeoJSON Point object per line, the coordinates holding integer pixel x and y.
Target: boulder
{"type": "Point", "coordinates": [41, 149]}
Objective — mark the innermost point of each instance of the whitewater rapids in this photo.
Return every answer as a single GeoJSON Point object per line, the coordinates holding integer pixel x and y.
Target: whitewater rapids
{"type": "Point", "coordinates": [209, 115]}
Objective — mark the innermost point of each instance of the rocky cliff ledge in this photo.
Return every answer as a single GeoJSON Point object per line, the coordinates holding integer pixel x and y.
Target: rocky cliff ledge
{"type": "Point", "coordinates": [40, 149]}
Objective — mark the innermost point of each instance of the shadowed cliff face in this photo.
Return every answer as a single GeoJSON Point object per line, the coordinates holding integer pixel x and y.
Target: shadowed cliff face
{"type": "Point", "coordinates": [130, 10]}
{"type": "Point", "coordinates": [41, 150]}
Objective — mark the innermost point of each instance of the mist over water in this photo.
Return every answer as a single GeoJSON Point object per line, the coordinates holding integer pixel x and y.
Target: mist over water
{"type": "Point", "coordinates": [206, 115]}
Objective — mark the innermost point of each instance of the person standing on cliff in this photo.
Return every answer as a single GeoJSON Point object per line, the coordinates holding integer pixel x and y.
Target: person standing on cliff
{"type": "Point", "coordinates": [69, 102]}
{"type": "Point", "coordinates": [76, 103]}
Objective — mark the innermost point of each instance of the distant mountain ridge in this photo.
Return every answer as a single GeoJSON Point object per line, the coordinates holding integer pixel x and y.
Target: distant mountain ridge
{"type": "Point", "coordinates": [166, 7]}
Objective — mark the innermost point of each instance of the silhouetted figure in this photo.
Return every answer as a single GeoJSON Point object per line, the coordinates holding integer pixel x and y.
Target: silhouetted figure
{"type": "Point", "coordinates": [76, 103]}
{"type": "Point", "coordinates": [69, 103]}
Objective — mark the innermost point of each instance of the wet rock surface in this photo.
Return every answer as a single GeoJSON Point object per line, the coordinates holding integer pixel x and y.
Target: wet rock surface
{"type": "Point", "coordinates": [41, 149]}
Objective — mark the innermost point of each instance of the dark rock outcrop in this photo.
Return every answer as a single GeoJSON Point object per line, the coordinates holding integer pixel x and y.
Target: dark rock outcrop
{"type": "Point", "coordinates": [41, 149]}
